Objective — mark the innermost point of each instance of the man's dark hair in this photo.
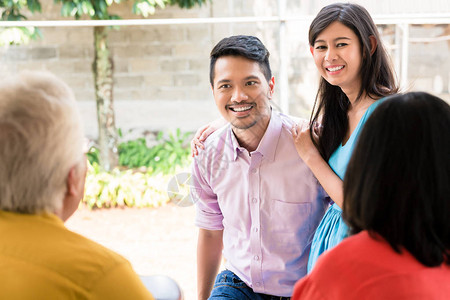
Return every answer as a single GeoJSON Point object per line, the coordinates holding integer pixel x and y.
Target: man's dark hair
{"type": "Point", "coordinates": [397, 181]}
{"type": "Point", "coordinates": [246, 46]}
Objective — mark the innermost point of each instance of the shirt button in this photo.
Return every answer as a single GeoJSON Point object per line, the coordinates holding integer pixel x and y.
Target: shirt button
{"type": "Point", "coordinates": [258, 284]}
{"type": "Point", "coordinates": [256, 229]}
{"type": "Point", "coordinates": [256, 257]}
{"type": "Point", "coordinates": [254, 171]}
{"type": "Point", "coordinates": [254, 200]}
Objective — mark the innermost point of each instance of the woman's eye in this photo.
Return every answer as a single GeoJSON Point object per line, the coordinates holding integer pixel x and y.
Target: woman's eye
{"type": "Point", "coordinates": [251, 83]}
{"type": "Point", "coordinates": [341, 44]}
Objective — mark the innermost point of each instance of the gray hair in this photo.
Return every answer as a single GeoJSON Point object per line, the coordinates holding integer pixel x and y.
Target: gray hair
{"type": "Point", "coordinates": [41, 139]}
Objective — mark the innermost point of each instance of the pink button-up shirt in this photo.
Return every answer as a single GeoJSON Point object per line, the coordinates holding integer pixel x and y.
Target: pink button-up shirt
{"type": "Point", "coordinates": [267, 202]}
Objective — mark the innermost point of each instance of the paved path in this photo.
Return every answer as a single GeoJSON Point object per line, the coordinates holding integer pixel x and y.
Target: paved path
{"type": "Point", "coordinates": [155, 241]}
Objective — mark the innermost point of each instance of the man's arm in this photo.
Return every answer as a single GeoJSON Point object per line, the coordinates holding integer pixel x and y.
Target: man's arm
{"type": "Point", "coordinates": [209, 255]}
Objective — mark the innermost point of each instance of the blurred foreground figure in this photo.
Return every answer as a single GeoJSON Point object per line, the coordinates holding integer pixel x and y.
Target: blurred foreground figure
{"type": "Point", "coordinates": [42, 177]}
{"type": "Point", "coordinates": [396, 202]}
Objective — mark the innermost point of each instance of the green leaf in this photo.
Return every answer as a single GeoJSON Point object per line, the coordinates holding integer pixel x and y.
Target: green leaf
{"type": "Point", "coordinates": [160, 135]}
{"type": "Point", "coordinates": [34, 5]}
{"type": "Point", "coordinates": [89, 9]}
{"type": "Point", "coordinates": [66, 9]}
{"type": "Point", "coordinates": [160, 3]}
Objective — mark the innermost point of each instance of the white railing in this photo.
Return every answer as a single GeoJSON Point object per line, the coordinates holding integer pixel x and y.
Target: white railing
{"type": "Point", "coordinates": [401, 21]}
{"type": "Point", "coordinates": [380, 19]}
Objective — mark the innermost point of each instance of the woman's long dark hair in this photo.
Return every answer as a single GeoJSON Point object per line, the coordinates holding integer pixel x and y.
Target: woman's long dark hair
{"type": "Point", "coordinates": [377, 77]}
{"type": "Point", "coordinates": [397, 183]}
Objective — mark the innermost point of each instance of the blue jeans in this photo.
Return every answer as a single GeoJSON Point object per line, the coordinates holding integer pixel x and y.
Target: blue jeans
{"type": "Point", "coordinates": [229, 286]}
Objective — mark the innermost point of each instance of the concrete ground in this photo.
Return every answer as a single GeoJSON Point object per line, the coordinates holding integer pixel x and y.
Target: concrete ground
{"type": "Point", "coordinates": [155, 241]}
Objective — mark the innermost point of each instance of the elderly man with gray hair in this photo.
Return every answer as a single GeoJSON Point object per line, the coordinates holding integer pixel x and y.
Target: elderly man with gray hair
{"type": "Point", "coordinates": [42, 177]}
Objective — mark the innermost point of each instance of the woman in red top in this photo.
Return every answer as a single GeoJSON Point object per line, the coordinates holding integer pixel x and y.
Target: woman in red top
{"type": "Point", "coordinates": [396, 202]}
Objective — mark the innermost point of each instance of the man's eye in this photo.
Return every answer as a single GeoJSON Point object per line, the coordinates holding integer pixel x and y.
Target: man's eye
{"type": "Point", "coordinates": [224, 86]}
{"type": "Point", "coordinates": [251, 83]}
{"type": "Point", "coordinates": [320, 47]}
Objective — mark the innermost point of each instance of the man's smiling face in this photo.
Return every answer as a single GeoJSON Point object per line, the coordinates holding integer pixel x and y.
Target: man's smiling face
{"type": "Point", "coordinates": [241, 92]}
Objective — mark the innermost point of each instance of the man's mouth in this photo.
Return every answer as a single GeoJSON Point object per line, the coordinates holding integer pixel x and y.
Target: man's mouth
{"type": "Point", "coordinates": [240, 108]}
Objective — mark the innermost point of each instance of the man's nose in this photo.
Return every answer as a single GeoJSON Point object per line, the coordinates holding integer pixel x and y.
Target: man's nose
{"type": "Point", "coordinates": [239, 95]}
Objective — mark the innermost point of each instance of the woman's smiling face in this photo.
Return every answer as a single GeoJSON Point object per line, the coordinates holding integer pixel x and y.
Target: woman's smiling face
{"type": "Point", "coordinates": [337, 54]}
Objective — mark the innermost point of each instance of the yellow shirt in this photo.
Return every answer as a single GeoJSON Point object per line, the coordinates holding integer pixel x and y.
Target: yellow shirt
{"type": "Point", "coordinates": [41, 259]}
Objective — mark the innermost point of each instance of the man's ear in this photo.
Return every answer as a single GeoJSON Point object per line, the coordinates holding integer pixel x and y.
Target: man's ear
{"type": "Point", "coordinates": [271, 86]}
{"type": "Point", "coordinates": [72, 181]}
{"type": "Point", "coordinates": [311, 49]}
{"type": "Point", "coordinates": [70, 201]}
{"type": "Point", "coordinates": [74, 190]}
{"type": "Point", "coordinates": [373, 44]}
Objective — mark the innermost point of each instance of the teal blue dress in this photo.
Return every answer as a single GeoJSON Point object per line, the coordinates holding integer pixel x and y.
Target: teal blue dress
{"type": "Point", "coordinates": [332, 229]}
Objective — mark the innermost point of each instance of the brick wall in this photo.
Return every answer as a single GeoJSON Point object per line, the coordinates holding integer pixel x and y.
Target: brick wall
{"type": "Point", "coordinates": [161, 72]}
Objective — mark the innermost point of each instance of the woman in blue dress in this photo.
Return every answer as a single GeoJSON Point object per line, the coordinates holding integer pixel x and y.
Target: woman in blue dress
{"type": "Point", "coordinates": [355, 74]}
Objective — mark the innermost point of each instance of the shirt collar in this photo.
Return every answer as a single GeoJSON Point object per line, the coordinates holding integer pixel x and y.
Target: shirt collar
{"type": "Point", "coordinates": [269, 142]}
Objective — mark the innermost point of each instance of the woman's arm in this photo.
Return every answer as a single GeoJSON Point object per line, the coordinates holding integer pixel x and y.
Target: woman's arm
{"type": "Point", "coordinates": [330, 182]}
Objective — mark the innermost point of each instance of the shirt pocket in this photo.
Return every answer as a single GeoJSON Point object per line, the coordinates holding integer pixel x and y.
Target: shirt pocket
{"type": "Point", "coordinates": [289, 224]}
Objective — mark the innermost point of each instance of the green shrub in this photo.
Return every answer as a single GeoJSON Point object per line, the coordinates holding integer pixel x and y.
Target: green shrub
{"type": "Point", "coordinates": [137, 186]}
{"type": "Point", "coordinates": [125, 188]}
{"type": "Point", "coordinates": [93, 155]}
{"type": "Point", "coordinates": [168, 154]}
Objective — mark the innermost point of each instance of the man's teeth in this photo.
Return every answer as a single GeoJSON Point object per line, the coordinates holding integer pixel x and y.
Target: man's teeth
{"type": "Point", "coordinates": [335, 69]}
{"type": "Point", "coordinates": [243, 108]}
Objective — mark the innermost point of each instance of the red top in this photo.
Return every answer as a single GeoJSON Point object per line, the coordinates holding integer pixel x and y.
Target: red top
{"type": "Point", "coordinates": [362, 267]}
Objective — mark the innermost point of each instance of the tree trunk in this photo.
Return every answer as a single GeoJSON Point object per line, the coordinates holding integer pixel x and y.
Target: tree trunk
{"type": "Point", "coordinates": [102, 69]}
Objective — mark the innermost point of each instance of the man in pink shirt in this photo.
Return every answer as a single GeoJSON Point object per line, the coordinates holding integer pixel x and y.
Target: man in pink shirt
{"type": "Point", "coordinates": [257, 202]}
